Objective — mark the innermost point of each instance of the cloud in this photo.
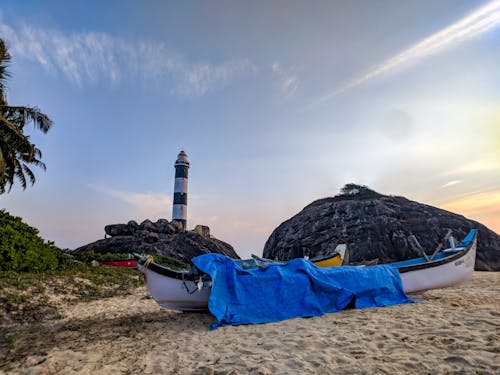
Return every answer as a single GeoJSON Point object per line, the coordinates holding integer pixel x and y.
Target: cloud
{"type": "Point", "coordinates": [146, 204]}
{"type": "Point", "coordinates": [289, 81]}
{"type": "Point", "coordinates": [451, 183]}
{"type": "Point", "coordinates": [483, 165]}
{"type": "Point", "coordinates": [90, 57]}
{"type": "Point", "coordinates": [474, 24]}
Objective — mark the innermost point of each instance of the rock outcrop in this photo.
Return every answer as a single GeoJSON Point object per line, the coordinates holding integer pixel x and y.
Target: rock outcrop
{"type": "Point", "coordinates": [375, 226]}
{"type": "Point", "coordinates": [161, 237]}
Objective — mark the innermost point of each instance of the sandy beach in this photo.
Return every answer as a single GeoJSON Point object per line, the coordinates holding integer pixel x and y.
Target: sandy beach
{"type": "Point", "coordinates": [449, 331]}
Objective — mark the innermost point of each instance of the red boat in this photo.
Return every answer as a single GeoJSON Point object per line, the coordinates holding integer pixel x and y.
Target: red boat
{"type": "Point", "coordinates": [129, 263]}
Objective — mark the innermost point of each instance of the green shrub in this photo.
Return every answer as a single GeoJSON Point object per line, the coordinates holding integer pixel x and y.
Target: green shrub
{"type": "Point", "coordinates": [21, 249]}
{"type": "Point", "coordinates": [89, 256]}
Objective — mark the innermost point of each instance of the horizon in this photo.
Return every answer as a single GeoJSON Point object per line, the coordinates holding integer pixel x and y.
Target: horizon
{"type": "Point", "coordinates": [276, 104]}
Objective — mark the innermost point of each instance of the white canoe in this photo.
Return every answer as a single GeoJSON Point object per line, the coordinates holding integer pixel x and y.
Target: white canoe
{"type": "Point", "coordinates": [176, 290]}
{"type": "Point", "coordinates": [450, 267]}
{"type": "Point", "coordinates": [185, 291]}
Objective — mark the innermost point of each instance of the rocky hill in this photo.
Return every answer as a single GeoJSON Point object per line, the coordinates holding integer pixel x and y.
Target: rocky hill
{"type": "Point", "coordinates": [373, 226]}
{"type": "Point", "coordinates": [162, 237]}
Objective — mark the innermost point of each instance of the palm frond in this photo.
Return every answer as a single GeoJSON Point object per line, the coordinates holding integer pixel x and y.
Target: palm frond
{"type": "Point", "coordinates": [17, 153]}
{"type": "Point", "coordinates": [8, 127]}
{"type": "Point", "coordinates": [29, 173]}
{"type": "Point", "coordinates": [39, 164]}
{"type": "Point", "coordinates": [38, 153]}
{"type": "Point", "coordinates": [3, 166]}
{"type": "Point", "coordinates": [23, 115]}
{"type": "Point", "coordinates": [4, 63]}
{"type": "Point", "coordinates": [20, 176]}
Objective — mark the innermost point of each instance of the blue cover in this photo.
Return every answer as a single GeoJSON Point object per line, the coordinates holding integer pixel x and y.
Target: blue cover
{"type": "Point", "coordinates": [295, 289]}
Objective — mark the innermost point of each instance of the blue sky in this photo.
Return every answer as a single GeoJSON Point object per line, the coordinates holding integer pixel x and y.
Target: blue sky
{"type": "Point", "coordinates": [276, 103]}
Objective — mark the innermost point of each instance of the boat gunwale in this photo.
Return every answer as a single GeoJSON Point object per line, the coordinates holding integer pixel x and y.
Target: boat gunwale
{"type": "Point", "coordinates": [439, 262]}
{"type": "Point", "coordinates": [189, 276]}
{"type": "Point", "coordinates": [324, 257]}
{"type": "Point", "coordinates": [165, 271]}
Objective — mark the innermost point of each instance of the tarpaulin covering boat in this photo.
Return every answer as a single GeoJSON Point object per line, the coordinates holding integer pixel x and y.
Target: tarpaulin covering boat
{"type": "Point", "coordinates": [189, 290]}
{"type": "Point", "coordinates": [295, 289]}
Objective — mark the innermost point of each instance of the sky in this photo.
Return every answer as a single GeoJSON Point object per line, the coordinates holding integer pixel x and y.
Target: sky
{"type": "Point", "coordinates": [277, 104]}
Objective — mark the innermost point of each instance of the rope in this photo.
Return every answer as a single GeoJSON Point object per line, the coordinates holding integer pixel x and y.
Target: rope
{"type": "Point", "coordinates": [148, 261]}
{"type": "Point", "coordinates": [187, 289]}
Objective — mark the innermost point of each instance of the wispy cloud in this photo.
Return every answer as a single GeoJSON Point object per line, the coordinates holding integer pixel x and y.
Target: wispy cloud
{"type": "Point", "coordinates": [475, 166]}
{"type": "Point", "coordinates": [90, 57]}
{"type": "Point", "coordinates": [474, 24]}
{"type": "Point", "coordinates": [289, 81]}
{"type": "Point", "coordinates": [146, 204]}
{"type": "Point", "coordinates": [451, 183]}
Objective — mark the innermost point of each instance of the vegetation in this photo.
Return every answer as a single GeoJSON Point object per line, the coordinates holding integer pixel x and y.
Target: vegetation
{"type": "Point", "coordinates": [35, 296]}
{"type": "Point", "coordinates": [17, 153]}
{"type": "Point", "coordinates": [357, 192]}
{"type": "Point", "coordinates": [21, 249]}
{"type": "Point", "coordinates": [350, 191]}
{"type": "Point", "coordinates": [36, 276]}
{"type": "Point", "coordinates": [89, 256]}
{"type": "Point", "coordinates": [170, 262]}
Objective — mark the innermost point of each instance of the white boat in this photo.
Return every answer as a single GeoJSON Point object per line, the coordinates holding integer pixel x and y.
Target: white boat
{"type": "Point", "coordinates": [190, 290]}
{"type": "Point", "coordinates": [449, 267]}
{"type": "Point", "coordinates": [175, 290]}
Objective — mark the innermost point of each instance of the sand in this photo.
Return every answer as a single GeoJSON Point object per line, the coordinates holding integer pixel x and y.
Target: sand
{"type": "Point", "coordinates": [450, 331]}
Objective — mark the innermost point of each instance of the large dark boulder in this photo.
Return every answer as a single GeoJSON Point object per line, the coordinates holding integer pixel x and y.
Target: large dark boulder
{"type": "Point", "coordinates": [163, 226]}
{"type": "Point", "coordinates": [116, 244]}
{"type": "Point", "coordinates": [147, 225]}
{"type": "Point", "coordinates": [375, 226]}
{"type": "Point", "coordinates": [161, 238]}
{"type": "Point", "coordinates": [118, 230]}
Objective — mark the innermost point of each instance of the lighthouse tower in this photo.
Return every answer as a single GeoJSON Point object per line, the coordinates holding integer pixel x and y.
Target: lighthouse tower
{"type": "Point", "coordinates": [179, 210]}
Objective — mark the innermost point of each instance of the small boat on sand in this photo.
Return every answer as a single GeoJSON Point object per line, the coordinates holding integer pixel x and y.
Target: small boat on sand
{"type": "Point", "coordinates": [333, 259]}
{"type": "Point", "coordinates": [189, 290]}
{"type": "Point", "coordinates": [446, 268]}
{"type": "Point", "coordinates": [128, 263]}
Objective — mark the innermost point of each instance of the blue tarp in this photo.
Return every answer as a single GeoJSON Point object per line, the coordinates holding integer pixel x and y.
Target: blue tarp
{"type": "Point", "coordinates": [295, 289]}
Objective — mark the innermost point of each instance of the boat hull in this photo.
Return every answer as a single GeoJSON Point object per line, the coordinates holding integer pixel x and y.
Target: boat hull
{"type": "Point", "coordinates": [442, 274]}
{"type": "Point", "coordinates": [333, 261]}
{"type": "Point", "coordinates": [180, 291]}
{"type": "Point", "coordinates": [128, 263]}
{"type": "Point", "coordinates": [176, 294]}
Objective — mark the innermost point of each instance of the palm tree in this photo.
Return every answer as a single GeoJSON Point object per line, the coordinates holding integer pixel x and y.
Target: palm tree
{"type": "Point", "coordinates": [17, 153]}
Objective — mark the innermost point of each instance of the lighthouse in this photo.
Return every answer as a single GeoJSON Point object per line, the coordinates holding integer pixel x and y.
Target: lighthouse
{"type": "Point", "coordinates": [179, 209]}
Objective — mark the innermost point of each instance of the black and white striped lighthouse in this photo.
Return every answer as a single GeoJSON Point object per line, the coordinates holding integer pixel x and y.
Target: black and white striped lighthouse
{"type": "Point", "coordinates": [179, 210]}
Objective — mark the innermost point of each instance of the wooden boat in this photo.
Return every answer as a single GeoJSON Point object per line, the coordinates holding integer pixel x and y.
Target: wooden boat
{"type": "Point", "coordinates": [189, 290]}
{"type": "Point", "coordinates": [184, 290]}
{"type": "Point", "coordinates": [446, 268]}
{"type": "Point", "coordinates": [334, 259]}
{"type": "Point", "coordinates": [331, 260]}
{"type": "Point", "coordinates": [328, 261]}
{"type": "Point", "coordinates": [129, 263]}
